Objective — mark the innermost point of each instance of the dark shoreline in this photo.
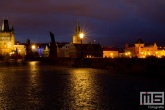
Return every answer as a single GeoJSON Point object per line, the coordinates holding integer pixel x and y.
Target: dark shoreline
{"type": "Point", "coordinates": [149, 67]}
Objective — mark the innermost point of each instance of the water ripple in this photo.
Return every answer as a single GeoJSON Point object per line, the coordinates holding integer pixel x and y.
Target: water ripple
{"type": "Point", "coordinates": [36, 86]}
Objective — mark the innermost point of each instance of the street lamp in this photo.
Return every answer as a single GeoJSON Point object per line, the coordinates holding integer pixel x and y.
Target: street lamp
{"type": "Point", "coordinates": [33, 51]}
{"type": "Point", "coordinates": [33, 47]}
{"type": "Point", "coordinates": [81, 37]}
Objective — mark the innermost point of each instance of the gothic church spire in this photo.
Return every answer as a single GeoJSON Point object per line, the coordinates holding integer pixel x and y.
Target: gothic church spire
{"type": "Point", "coordinates": [77, 27]}
{"type": "Point", "coordinates": [5, 25]}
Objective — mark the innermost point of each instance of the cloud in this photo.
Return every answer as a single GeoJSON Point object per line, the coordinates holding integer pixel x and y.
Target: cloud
{"type": "Point", "coordinates": [104, 17]}
{"type": "Point", "coordinates": [148, 9]}
{"type": "Point", "coordinates": [92, 8]}
{"type": "Point", "coordinates": [110, 10]}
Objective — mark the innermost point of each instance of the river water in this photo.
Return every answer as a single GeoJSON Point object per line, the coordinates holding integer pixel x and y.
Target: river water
{"type": "Point", "coordinates": [40, 86]}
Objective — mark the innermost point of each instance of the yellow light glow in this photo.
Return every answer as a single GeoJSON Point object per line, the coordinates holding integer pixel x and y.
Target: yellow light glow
{"type": "Point", "coordinates": [81, 35]}
{"type": "Point", "coordinates": [83, 87]}
{"type": "Point", "coordinates": [111, 54]}
{"type": "Point", "coordinates": [33, 46]}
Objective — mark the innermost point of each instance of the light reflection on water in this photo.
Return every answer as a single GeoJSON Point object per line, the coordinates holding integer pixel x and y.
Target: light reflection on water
{"type": "Point", "coordinates": [83, 89]}
{"type": "Point", "coordinates": [2, 88]}
{"type": "Point", "coordinates": [34, 87]}
{"type": "Point", "coordinates": [33, 73]}
{"type": "Point", "coordinates": [37, 86]}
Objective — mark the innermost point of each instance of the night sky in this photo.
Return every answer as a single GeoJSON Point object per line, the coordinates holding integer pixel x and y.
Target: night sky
{"type": "Point", "coordinates": [109, 22]}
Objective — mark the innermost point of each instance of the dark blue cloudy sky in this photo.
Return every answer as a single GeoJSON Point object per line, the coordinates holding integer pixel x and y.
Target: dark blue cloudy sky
{"type": "Point", "coordinates": [109, 22]}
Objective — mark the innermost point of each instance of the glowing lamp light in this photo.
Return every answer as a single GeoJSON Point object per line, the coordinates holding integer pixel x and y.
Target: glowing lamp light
{"type": "Point", "coordinates": [81, 35]}
{"type": "Point", "coordinates": [33, 46]}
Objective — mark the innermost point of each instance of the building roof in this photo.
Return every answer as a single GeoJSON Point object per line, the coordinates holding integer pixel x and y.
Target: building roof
{"type": "Point", "coordinates": [121, 50]}
{"type": "Point", "coordinates": [88, 46]}
{"type": "Point", "coordinates": [149, 45]}
{"type": "Point", "coordinates": [110, 49]}
{"type": "Point", "coordinates": [139, 41]}
{"type": "Point", "coordinates": [131, 45]}
{"type": "Point", "coordinates": [161, 48]}
{"type": "Point", "coordinates": [61, 44]}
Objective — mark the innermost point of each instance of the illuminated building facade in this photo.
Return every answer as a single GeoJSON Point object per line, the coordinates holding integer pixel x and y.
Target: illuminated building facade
{"type": "Point", "coordinates": [39, 49]}
{"type": "Point", "coordinates": [46, 52]}
{"type": "Point", "coordinates": [7, 38]}
{"type": "Point", "coordinates": [88, 50]}
{"type": "Point", "coordinates": [141, 50]}
{"type": "Point", "coordinates": [110, 52]}
{"type": "Point", "coordinates": [148, 50]}
{"type": "Point", "coordinates": [72, 50]}
{"type": "Point", "coordinates": [161, 52]}
{"type": "Point", "coordinates": [63, 49]}
{"type": "Point", "coordinates": [21, 48]}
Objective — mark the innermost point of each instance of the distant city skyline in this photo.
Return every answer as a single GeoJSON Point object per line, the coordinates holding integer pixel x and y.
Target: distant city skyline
{"type": "Point", "coordinates": [112, 23]}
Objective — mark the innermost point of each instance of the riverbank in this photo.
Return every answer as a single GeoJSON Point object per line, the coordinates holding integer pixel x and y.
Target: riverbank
{"type": "Point", "coordinates": [148, 66]}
